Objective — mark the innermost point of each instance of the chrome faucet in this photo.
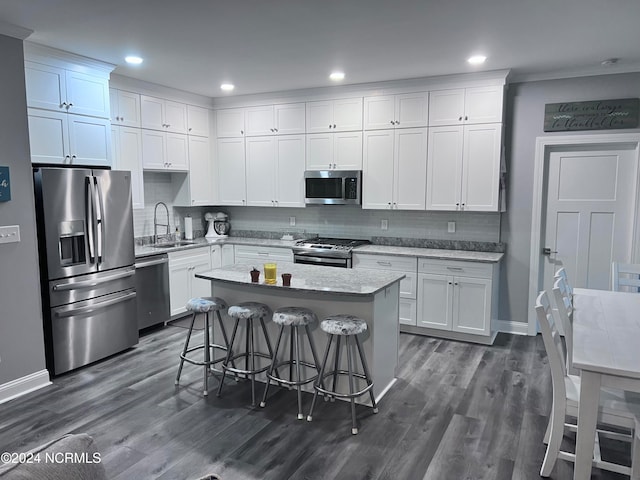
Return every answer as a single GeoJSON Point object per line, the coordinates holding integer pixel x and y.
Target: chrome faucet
{"type": "Point", "coordinates": [155, 221]}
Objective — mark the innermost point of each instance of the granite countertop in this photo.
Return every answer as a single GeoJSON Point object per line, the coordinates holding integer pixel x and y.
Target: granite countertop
{"type": "Point", "coordinates": [311, 278]}
{"type": "Point", "coordinates": [148, 250]}
{"type": "Point", "coordinates": [465, 255]}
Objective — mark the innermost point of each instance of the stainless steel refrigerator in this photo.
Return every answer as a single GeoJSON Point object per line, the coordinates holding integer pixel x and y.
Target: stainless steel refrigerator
{"type": "Point", "coordinates": [85, 242]}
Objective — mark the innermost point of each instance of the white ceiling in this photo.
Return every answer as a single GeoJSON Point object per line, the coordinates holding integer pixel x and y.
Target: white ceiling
{"type": "Point", "coordinates": [272, 45]}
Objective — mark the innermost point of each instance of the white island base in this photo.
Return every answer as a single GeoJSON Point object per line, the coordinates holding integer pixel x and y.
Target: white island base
{"type": "Point", "coordinates": [375, 301]}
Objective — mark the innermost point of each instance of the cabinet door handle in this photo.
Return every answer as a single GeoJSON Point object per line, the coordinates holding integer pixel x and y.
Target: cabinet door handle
{"type": "Point", "coordinates": [271, 130]}
{"type": "Point", "coordinates": [456, 283]}
{"type": "Point", "coordinates": [241, 132]}
{"type": "Point", "coordinates": [276, 130]}
{"type": "Point", "coordinates": [334, 125]}
{"type": "Point", "coordinates": [459, 119]}
{"type": "Point", "coordinates": [63, 105]}
{"type": "Point", "coordinates": [466, 118]}
{"type": "Point", "coordinates": [70, 105]}
{"type": "Point", "coordinates": [397, 122]}
{"type": "Point", "coordinates": [450, 283]}
{"type": "Point", "coordinates": [329, 125]}
{"type": "Point", "coordinates": [392, 122]}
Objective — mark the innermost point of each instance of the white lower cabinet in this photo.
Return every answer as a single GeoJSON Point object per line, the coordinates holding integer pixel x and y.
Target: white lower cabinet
{"type": "Point", "coordinates": [183, 285]}
{"type": "Point", "coordinates": [457, 296]}
{"type": "Point", "coordinates": [406, 265]}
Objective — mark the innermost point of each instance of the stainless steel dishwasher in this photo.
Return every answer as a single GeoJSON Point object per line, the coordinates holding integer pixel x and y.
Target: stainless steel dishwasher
{"type": "Point", "coordinates": [152, 288]}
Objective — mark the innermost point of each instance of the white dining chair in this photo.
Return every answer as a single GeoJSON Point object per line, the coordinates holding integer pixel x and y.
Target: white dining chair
{"type": "Point", "coordinates": [562, 273]}
{"type": "Point", "coordinates": [614, 409]}
{"type": "Point", "coordinates": [564, 304]}
{"type": "Point", "coordinates": [625, 277]}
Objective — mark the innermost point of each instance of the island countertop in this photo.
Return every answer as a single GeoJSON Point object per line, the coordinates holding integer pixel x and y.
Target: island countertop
{"type": "Point", "coordinates": [311, 278]}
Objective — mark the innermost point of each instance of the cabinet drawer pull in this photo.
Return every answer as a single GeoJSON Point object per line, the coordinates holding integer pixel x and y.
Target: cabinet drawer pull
{"type": "Point", "coordinates": [385, 264]}
{"type": "Point", "coordinates": [263, 254]}
{"type": "Point", "coordinates": [455, 269]}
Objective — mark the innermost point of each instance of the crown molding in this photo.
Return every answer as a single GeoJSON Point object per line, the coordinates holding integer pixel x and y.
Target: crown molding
{"type": "Point", "coordinates": [15, 31]}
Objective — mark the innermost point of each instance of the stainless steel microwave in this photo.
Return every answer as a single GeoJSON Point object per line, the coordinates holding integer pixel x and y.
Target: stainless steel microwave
{"type": "Point", "coordinates": [333, 187]}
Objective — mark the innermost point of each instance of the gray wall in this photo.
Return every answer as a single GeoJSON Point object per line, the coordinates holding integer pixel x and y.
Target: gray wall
{"type": "Point", "coordinates": [525, 114]}
{"type": "Point", "coordinates": [21, 338]}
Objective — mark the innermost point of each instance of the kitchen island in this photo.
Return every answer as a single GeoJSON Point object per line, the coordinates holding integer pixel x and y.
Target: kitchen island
{"type": "Point", "coordinates": [372, 296]}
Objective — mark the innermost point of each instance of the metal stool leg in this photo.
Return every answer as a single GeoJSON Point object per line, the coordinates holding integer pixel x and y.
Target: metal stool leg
{"type": "Point", "coordinates": [319, 380]}
{"type": "Point", "coordinates": [226, 361]}
{"type": "Point", "coordinates": [365, 367]}
{"type": "Point", "coordinates": [252, 353]}
{"type": "Point", "coordinates": [274, 362]}
{"type": "Point", "coordinates": [226, 341]}
{"type": "Point", "coordinates": [186, 347]}
{"type": "Point", "coordinates": [314, 354]}
{"type": "Point", "coordinates": [298, 375]}
{"type": "Point", "coordinates": [207, 354]}
{"type": "Point", "coordinates": [354, 426]}
{"type": "Point", "coordinates": [269, 348]}
{"type": "Point", "coordinates": [336, 367]}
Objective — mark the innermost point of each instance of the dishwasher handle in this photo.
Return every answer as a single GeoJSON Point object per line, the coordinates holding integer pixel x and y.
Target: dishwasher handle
{"type": "Point", "coordinates": [148, 263]}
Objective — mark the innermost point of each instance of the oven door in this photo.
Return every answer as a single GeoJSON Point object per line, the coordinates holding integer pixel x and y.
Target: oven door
{"type": "Point", "coordinates": [322, 261]}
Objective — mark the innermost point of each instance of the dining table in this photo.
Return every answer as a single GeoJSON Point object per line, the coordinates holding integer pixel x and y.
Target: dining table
{"type": "Point", "coordinates": [606, 339]}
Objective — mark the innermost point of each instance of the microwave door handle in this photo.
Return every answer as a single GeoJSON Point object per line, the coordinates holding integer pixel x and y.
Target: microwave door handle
{"type": "Point", "coordinates": [99, 219]}
{"type": "Point", "coordinates": [89, 218]}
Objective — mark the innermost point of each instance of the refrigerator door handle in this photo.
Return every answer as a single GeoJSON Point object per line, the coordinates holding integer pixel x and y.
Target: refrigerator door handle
{"type": "Point", "coordinates": [99, 208]}
{"type": "Point", "coordinates": [96, 306]}
{"type": "Point", "coordinates": [59, 287]}
{"type": "Point", "coordinates": [89, 218]}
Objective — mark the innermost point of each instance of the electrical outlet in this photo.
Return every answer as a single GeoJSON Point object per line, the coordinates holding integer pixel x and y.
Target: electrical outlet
{"type": "Point", "coordinates": [384, 224]}
{"type": "Point", "coordinates": [10, 234]}
{"type": "Point", "coordinates": [292, 221]}
{"type": "Point", "coordinates": [451, 227]}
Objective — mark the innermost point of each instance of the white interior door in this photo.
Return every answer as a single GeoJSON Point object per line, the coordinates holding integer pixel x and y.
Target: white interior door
{"type": "Point", "coordinates": [589, 213]}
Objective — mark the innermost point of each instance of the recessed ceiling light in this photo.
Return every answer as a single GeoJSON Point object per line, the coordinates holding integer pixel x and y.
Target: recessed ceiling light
{"type": "Point", "coordinates": [336, 76]}
{"type": "Point", "coordinates": [608, 62]}
{"type": "Point", "coordinates": [227, 87]}
{"type": "Point", "coordinates": [476, 59]}
{"type": "Point", "coordinates": [133, 60]}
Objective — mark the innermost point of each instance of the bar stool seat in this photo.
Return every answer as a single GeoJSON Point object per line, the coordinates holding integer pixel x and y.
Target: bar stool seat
{"type": "Point", "coordinates": [293, 318]}
{"type": "Point", "coordinates": [204, 305]}
{"type": "Point", "coordinates": [249, 312]}
{"type": "Point", "coordinates": [349, 327]}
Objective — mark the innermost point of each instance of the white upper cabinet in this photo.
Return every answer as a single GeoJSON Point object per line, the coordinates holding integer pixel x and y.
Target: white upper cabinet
{"type": "Point", "coordinates": [164, 151]}
{"type": "Point", "coordinates": [394, 173]}
{"type": "Point", "coordinates": [230, 122]}
{"type": "Point", "coordinates": [197, 121]}
{"type": "Point", "coordinates": [231, 171]}
{"type": "Point", "coordinates": [463, 167]}
{"type": "Point", "coordinates": [407, 110]}
{"type": "Point", "coordinates": [275, 171]}
{"type": "Point", "coordinates": [334, 115]}
{"type": "Point", "coordinates": [334, 151]}
{"type": "Point", "coordinates": [58, 89]}
{"type": "Point", "coordinates": [466, 106]}
{"type": "Point", "coordinates": [125, 108]}
{"type": "Point", "coordinates": [60, 138]}
{"type": "Point", "coordinates": [164, 115]}
{"type": "Point", "coordinates": [127, 155]}
{"type": "Point", "coordinates": [284, 119]}
{"type": "Point", "coordinates": [201, 174]}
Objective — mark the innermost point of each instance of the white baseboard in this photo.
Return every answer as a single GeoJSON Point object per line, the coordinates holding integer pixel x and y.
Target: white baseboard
{"type": "Point", "coordinates": [507, 326]}
{"type": "Point", "coordinates": [24, 385]}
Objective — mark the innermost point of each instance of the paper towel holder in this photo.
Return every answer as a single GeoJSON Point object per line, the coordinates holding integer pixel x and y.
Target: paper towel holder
{"type": "Point", "coordinates": [188, 228]}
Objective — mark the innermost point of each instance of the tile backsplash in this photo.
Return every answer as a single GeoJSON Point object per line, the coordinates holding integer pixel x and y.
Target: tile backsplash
{"type": "Point", "coordinates": [332, 220]}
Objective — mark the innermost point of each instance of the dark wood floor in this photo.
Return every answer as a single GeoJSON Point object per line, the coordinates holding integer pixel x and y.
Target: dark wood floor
{"type": "Point", "coordinates": [457, 411]}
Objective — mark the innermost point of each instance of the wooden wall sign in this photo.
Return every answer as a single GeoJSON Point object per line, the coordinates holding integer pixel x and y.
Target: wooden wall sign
{"type": "Point", "coordinates": [595, 115]}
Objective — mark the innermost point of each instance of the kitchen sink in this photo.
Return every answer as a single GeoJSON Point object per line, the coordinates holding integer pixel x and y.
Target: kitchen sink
{"type": "Point", "coordinates": [172, 244]}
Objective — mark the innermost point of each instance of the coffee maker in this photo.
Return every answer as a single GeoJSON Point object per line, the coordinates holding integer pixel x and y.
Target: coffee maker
{"type": "Point", "coordinates": [218, 225]}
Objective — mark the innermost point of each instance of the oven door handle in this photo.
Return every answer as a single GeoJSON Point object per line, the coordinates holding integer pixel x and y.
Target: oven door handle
{"type": "Point", "coordinates": [321, 261]}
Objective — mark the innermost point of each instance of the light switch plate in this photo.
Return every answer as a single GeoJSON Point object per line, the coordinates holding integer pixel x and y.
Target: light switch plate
{"type": "Point", "coordinates": [384, 224]}
{"type": "Point", "coordinates": [10, 234]}
{"type": "Point", "coordinates": [451, 227]}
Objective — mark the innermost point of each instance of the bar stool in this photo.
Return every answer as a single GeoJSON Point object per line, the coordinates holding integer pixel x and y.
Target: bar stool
{"type": "Point", "coordinates": [294, 317]}
{"type": "Point", "coordinates": [204, 305]}
{"type": "Point", "coordinates": [249, 311]}
{"type": "Point", "coordinates": [348, 326]}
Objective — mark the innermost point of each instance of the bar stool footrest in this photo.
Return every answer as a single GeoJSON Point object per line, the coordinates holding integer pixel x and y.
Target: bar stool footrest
{"type": "Point", "coordinates": [241, 371]}
{"type": "Point", "coordinates": [331, 393]}
{"type": "Point", "coordinates": [184, 356]}
{"type": "Point", "coordinates": [292, 383]}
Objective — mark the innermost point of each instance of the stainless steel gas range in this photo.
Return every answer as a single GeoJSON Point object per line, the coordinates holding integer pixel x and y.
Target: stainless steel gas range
{"type": "Point", "coordinates": [331, 252]}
